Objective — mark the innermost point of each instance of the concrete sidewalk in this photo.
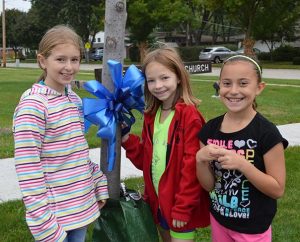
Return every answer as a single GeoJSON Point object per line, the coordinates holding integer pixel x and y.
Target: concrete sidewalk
{"type": "Point", "coordinates": [9, 188]}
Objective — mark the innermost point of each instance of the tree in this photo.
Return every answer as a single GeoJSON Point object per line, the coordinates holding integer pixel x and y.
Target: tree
{"type": "Point", "coordinates": [15, 24]}
{"type": "Point", "coordinates": [145, 16]}
{"type": "Point", "coordinates": [83, 16]}
{"type": "Point", "coordinates": [86, 17]}
{"type": "Point", "coordinates": [115, 21]}
{"type": "Point", "coordinates": [282, 28]}
{"type": "Point", "coordinates": [141, 22]}
{"type": "Point", "coordinates": [244, 12]}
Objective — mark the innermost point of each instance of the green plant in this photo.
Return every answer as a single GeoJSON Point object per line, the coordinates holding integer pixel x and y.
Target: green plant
{"type": "Point", "coordinates": [296, 60]}
{"type": "Point", "coordinates": [285, 53]}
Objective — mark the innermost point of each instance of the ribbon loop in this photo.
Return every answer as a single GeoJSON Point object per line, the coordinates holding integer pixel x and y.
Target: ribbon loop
{"type": "Point", "coordinates": [115, 108]}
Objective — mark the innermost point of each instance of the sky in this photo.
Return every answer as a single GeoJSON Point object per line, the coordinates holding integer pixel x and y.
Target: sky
{"type": "Point", "coordinates": [21, 5]}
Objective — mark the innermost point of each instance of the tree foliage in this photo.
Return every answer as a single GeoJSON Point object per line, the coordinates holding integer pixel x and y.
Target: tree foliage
{"type": "Point", "coordinates": [86, 17]}
{"type": "Point", "coordinates": [16, 36]}
{"type": "Point", "coordinates": [267, 20]}
{"type": "Point", "coordinates": [145, 16]}
{"type": "Point", "coordinates": [281, 28]}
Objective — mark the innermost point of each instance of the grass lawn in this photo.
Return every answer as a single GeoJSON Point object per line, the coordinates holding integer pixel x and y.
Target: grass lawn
{"type": "Point", "coordinates": [285, 226]}
{"type": "Point", "coordinates": [279, 104]}
{"type": "Point", "coordinates": [272, 103]}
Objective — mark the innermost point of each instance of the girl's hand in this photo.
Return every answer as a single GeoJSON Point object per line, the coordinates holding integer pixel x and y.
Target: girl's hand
{"type": "Point", "coordinates": [230, 160]}
{"type": "Point", "coordinates": [125, 129]}
{"type": "Point", "coordinates": [208, 153]}
{"type": "Point", "coordinates": [101, 203]}
{"type": "Point", "coordinates": [178, 224]}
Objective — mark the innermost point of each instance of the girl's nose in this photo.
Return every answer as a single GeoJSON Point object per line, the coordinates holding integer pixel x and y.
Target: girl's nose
{"type": "Point", "coordinates": [158, 84]}
{"type": "Point", "coordinates": [234, 88]}
{"type": "Point", "coordinates": [68, 64]}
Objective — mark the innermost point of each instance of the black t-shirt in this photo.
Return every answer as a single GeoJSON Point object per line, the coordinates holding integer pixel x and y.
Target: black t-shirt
{"type": "Point", "coordinates": [235, 202]}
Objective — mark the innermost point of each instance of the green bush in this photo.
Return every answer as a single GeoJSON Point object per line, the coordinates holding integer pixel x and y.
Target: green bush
{"type": "Point", "coordinates": [264, 56]}
{"type": "Point", "coordinates": [230, 46]}
{"type": "Point", "coordinates": [285, 53]}
{"type": "Point", "coordinates": [190, 53]}
{"type": "Point", "coordinates": [134, 54]}
{"type": "Point", "coordinates": [296, 60]}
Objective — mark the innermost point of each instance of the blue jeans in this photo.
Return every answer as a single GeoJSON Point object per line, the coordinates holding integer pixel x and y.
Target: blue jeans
{"type": "Point", "coordinates": [76, 235]}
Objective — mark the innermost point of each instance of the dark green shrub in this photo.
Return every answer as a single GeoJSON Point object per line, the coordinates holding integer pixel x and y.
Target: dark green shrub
{"type": "Point", "coordinates": [285, 53]}
{"type": "Point", "coordinates": [296, 60]}
{"type": "Point", "coordinates": [230, 46]}
{"type": "Point", "coordinates": [134, 54]}
{"type": "Point", "coordinates": [266, 56]}
{"type": "Point", "coordinates": [190, 53]}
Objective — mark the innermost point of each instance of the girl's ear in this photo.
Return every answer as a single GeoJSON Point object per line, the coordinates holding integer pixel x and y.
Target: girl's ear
{"type": "Point", "coordinates": [41, 61]}
{"type": "Point", "coordinates": [260, 88]}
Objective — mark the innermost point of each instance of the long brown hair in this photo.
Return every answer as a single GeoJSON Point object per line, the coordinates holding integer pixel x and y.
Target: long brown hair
{"type": "Point", "coordinates": [171, 60]}
{"type": "Point", "coordinates": [59, 34]}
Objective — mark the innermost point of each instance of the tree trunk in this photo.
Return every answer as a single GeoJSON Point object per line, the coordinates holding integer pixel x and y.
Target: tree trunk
{"type": "Point", "coordinates": [143, 46]}
{"type": "Point", "coordinates": [188, 36]}
{"type": "Point", "coordinates": [248, 44]}
{"type": "Point", "coordinates": [115, 21]}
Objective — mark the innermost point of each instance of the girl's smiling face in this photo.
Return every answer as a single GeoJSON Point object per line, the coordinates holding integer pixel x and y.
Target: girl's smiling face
{"type": "Point", "coordinates": [239, 86]}
{"type": "Point", "coordinates": [162, 83]}
{"type": "Point", "coordinates": [60, 66]}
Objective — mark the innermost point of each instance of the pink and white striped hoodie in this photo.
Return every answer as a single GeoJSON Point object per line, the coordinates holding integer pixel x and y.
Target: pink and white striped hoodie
{"type": "Point", "coordinates": [59, 183]}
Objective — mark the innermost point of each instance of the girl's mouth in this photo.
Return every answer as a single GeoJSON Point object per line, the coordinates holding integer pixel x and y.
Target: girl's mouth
{"type": "Point", "coordinates": [235, 100]}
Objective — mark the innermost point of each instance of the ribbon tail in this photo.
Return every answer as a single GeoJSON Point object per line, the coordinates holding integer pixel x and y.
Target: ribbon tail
{"type": "Point", "coordinates": [111, 154]}
{"type": "Point", "coordinates": [87, 125]}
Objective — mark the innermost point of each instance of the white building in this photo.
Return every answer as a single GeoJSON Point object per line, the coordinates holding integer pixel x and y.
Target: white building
{"type": "Point", "coordinates": [99, 40]}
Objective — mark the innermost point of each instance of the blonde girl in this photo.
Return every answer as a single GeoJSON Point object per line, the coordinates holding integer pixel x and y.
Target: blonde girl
{"type": "Point", "coordinates": [167, 149]}
{"type": "Point", "coordinates": [62, 189]}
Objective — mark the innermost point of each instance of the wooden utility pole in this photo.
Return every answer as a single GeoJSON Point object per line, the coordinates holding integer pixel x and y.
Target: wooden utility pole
{"type": "Point", "coordinates": [3, 35]}
{"type": "Point", "coordinates": [114, 35]}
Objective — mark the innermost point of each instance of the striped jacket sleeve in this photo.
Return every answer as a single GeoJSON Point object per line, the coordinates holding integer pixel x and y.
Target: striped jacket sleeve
{"type": "Point", "coordinates": [100, 181]}
{"type": "Point", "coordinates": [29, 128]}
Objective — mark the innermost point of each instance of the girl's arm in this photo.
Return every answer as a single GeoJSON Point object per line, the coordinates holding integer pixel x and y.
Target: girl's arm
{"type": "Point", "coordinates": [100, 181]}
{"type": "Point", "coordinates": [134, 146]}
{"type": "Point", "coordinates": [203, 170]}
{"type": "Point", "coordinates": [271, 183]}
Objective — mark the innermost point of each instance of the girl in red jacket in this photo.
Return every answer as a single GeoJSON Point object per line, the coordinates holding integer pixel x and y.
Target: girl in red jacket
{"type": "Point", "coordinates": [167, 149]}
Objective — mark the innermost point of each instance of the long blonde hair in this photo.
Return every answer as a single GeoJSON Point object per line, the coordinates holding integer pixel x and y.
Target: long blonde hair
{"type": "Point", "coordinates": [59, 34]}
{"type": "Point", "coordinates": [169, 58]}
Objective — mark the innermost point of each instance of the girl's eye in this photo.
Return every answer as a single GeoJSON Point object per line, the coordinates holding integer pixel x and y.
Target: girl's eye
{"type": "Point", "coordinates": [75, 60]}
{"type": "Point", "coordinates": [165, 77]}
{"type": "Point", "coordinates": [243, 83]}
{"type": "Point", "coordinates": [149, 80]}
{"type": "Point", "coordinates": [226, 83]}
{"type": "Point", "coordinates": [61, 59]}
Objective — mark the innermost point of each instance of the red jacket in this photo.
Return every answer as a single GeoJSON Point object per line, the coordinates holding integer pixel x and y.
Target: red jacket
{"type": "Point", "coordinates": [180, 195]}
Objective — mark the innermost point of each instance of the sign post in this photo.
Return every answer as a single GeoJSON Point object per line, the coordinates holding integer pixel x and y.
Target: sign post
{"type": "Point", "coordinates": [198, 67]}
{"type": "Point", "coordinates": [87, 47]}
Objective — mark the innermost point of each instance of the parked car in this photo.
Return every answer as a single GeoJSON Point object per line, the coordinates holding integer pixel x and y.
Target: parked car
{"type": "Point", "coordinates": [216, 54]}
{"type": "Point", "coordinates": [96, 54]}
{"type": "Point", "coordinates": [255, 50]}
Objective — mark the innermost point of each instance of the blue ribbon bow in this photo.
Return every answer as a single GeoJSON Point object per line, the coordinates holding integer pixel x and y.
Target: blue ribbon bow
{"type": "Point", "coordinates": [113, 108]}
